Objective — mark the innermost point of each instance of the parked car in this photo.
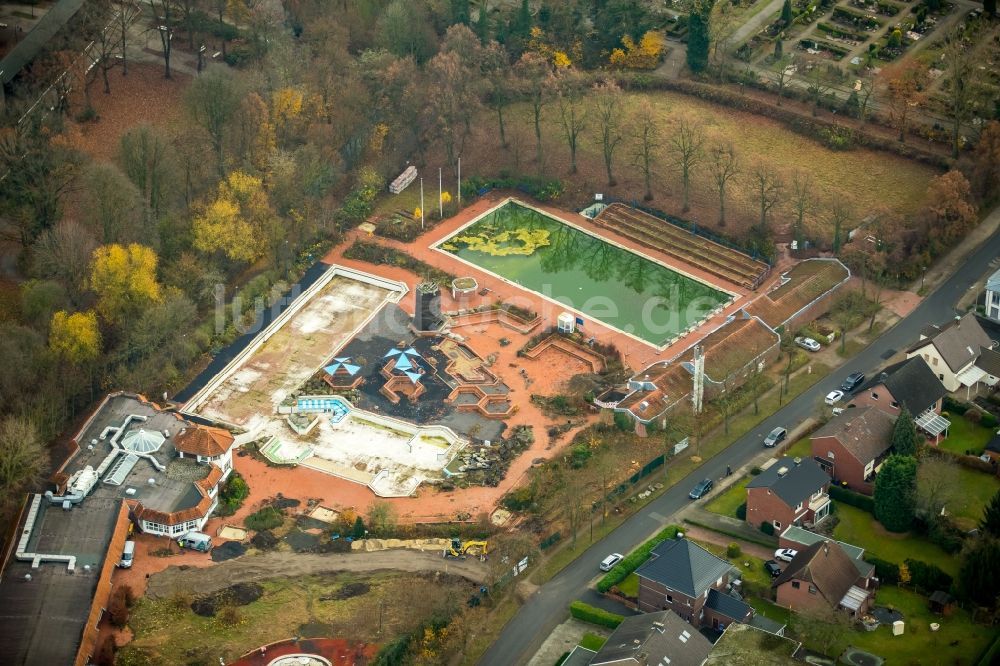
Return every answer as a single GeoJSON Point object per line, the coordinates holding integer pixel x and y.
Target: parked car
{"type": "Point", "coordinates": [785, 554]}
{"type": "Point", "coordinates": [808, 344]}
{"type": "Point", "coordinates": [701, 489]}
{"type": "Point", "coordinates": [772, 568]}
{"type": "Point", "coordinates": [611, 560]}
{"type": "Point", "coordinates": [833, 397]}
{"type": "Point", "coordinates": [128, 555]}
{"type": "Point", "coordinates": [775, 436]}
{"type": "Point", "coordinates": [853, 381]}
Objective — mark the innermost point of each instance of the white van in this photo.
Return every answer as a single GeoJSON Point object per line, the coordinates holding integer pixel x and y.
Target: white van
{"type": "Point", "coordinates": [128, 554]}
{"type": "Point", "coordinates": [196, 541]}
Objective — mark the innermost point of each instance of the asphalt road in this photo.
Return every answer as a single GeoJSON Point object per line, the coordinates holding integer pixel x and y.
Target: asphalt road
{"type": "Point", "coordinates": [548, 606]}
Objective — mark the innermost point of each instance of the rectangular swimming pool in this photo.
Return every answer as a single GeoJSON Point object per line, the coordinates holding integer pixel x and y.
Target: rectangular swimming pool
{"type": "Point", "coordinates": [588, 274]}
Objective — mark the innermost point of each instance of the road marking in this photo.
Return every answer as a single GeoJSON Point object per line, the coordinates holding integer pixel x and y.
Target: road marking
{"type": "Point", "coordinates": [657, 516]}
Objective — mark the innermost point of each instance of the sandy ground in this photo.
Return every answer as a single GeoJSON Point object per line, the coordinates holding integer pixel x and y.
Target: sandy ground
{"type": "Point", "coordinates": [293, 353]}
{"type": "Point", "coordinates": [283, 564]}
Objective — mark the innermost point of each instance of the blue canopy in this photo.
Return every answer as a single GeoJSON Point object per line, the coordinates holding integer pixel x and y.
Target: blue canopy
{"type": "Point", "coordinates": [414, 376]}
{"type": "Point", "coordinates": [342, 363]}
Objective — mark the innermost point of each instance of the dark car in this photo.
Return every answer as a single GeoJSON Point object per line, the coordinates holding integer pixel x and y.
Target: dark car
{"type": "Point", "coordinates": [775, 437]}
{"type": "Point", "coordinates": [853, 381]}
{"type": "Point", "coordinates": [772, 568]}
{"type": "Point", "coordinates": [701, 489]}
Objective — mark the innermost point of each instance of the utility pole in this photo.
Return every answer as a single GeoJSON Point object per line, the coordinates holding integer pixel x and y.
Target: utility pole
{"type": "Point", "coordinates": [421, 204]}
{"type": "Point", "coordinates": [440, 196]}
{"type": "Point", "coordinates": [460, 182]}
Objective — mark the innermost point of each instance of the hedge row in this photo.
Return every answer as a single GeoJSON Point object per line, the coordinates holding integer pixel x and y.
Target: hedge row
{"type": "Point", "coordinates": [622, 570]}
{"type": "Point", "coordinates": [852, 498]}
{"type": "Point", "coordinates": [972, 462]}
{"type": "Point", "coordinates": [761, 541]}
{"type": "Point", "coordinates": [542, 189]}
{"type": "Point", "coordinates": [595, 615]}
{"type": "Point", "coordinates": [373, 253]}
{"type": "Point", "coordinates": [927, 578]}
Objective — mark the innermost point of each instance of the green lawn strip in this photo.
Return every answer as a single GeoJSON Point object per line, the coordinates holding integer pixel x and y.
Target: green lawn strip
{"type": "Point", "coordinates": [727, 503]}
{"type": "Point", "coordinates": [976, 490]}
{"type": "Point", "coordinates": [592, 641]}
{"type": "Point", "coordinates": [769, 609]}
{"type": "Point", "coordinates": [958, 641]}
{"type": "Point", "coordinates": [761, 540]}
{"type": "Point", "coordinates": [678, 468]}
{"type": "Point", "coordinates": [860, 528]}
{"type": "Point", "coordinates": [964, 436]}
{"type": "Point", "coordinates": [800, 449]}
{"type": "Point", "coordinates": [753, 574]}
{"type": "Point", "coordinates": [630, 586]}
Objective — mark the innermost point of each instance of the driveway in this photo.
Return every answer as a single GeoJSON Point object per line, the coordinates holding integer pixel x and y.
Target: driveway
{"type": "Point", "coordinates": [548, 606]}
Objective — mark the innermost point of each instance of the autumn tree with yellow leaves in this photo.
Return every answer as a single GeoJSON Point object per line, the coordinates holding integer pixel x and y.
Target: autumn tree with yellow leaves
{"type": "Point", "coordinates": [239, 222]}
{"type": "Point", "coordinates": [644, 55]}
{"type": "Point", "coordinates": [124, 279]}
{"type": "Point", "coordinates": [75, 337]}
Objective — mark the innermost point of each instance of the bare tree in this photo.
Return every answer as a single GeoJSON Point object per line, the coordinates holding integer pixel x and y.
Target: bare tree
{"type": "Point", "coordinates": [646, 137]}
{"type": "Point", "coordinates": [212, 99]}
{"type": "Point", "coordinates": [686, 145]}
{"type": "Point", "coordinates": [802, 202]}
{"type": "Point", "coordinates": [496, 70]}
{"type": "Point", "coordinates": [821, 626]}
{"type": "Point", "coordinates": [22, 456]}
{"type": "Point", "coordinates": [840, 214]}
{"type": "Point", "coordinates": [535, 75]}
{"type": "Point", "coordinates": [768, 187]}
{"type": "Point", "coordinates": [128, 10]}
{"type": "Point", "coordinates": [572, 112]}
{"type": "Point", "coordinates": [938, 484]}
{"type": "Point", "coordinates": [607, 103]}
{"type": "Point", "coordinates": [724, 165]}
{"type": "Point", "coordinates": [782, 75]}
{"type": "Point", "coordinates": [865, 95]}
{"type": "Point", "coordinates": [819, 85]}
{"type": "Point", "coordinates": [962, 74]}
{"type": "Point", "coordinates": [163, 23]}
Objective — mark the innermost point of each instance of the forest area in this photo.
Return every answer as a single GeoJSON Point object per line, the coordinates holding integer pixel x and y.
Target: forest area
{"type": "Point", "coordinates": [118, 265]}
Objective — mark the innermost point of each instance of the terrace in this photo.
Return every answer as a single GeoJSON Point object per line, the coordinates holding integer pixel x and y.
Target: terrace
{"type": "Point", "coordinates": [712, 257]}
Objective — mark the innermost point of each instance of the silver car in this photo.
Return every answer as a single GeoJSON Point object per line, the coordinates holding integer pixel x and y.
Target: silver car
{"type": "Point", "coordinates": [808, 344]}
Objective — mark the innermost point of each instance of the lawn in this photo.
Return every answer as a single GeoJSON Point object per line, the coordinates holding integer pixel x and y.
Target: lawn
{"type": "Point", "coordinates": [860, 528]}
{"type": "Point", "coordinates": [753, 575]}
{"type": "Point", "coordinates": [965, 436]}
{"type": "Point", "coordinates": [958, 641]}
{"type": "Point", "coordinates": [592, 641]}
{"type": "Point", "coordinates": [630, 586]}
{"type": "Point", "coordinates": [769, 610]}
{"type": "Point", "coordinates": [800, 449]}
{"type": "Point", "coordinates": [977, 488]}
{"type": "Point", "coordinates": [727, 503]}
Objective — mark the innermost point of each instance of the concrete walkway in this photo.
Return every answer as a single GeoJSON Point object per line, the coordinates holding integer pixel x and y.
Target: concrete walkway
{"type": "Point", "coordinates": [563, 639]}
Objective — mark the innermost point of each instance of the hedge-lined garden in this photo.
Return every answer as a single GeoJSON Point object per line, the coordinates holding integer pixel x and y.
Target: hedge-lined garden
{"type": "Point", "coordinates": [634, 559]}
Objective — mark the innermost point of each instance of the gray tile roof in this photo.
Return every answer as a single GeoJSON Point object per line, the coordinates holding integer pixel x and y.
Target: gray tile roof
{"type": "Point", "coordinates": [684, 566]}
{"type": "Point", "coordinates": [807, 538]}
{"type": "Point", "coordinates": [958, 342]}
{"type": "Point", "coordinates": [580, 656]}
{"type": "Point", "coordinates": [767, 624]}
{"type": "Point", "coordinates": [864, 431]}
{"type": "Point", "coordinates": [799, 481]}
{"type": "Point", "coordinates": [727, 605]}
{"type": "Point", "coordinates": [654, 638]}
{"type": "Point", "coordinates": [989, 360]}
{"type": "Point", "coordinates": [912, 384]}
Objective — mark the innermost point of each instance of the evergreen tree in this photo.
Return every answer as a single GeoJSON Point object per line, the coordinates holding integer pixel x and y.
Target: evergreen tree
{"type": "Point", "coordinates": [786, 12]}
{"type": "Point", "coordinates": [522, 22]}
{"type": "Point", "coordinates": [990, 523]}
{"type": "Point", "coordinates": [699, 39]}
{"type": "Point", "coordinates": [904, 434]}
{"type": "Point", "coordinates": [483, 26]}
{"type": "Point", "coordinates": [359, 528]}
{"type": "Point", "coordinates": [990, 7]}
{"type": "Point", "coordinates": [977, 579]}
{"type": "Point", "coordinates": [895, 493]}
{"type": "Point", "coordinates": [460, 12]}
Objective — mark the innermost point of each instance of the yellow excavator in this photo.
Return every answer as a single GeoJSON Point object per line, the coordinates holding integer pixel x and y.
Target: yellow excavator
{"type": "Point", "coordinates": [462, 549]}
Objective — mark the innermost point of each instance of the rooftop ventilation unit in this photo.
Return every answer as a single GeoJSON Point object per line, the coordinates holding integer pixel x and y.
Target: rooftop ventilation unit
{"type": "Point", "coordinates": [782, 471]}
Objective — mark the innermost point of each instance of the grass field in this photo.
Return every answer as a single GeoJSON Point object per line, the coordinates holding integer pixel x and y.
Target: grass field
{"type": "Point", "coordinates": [866, 180]}
{"type": "Point", "coordinates": [727, 503]}
{"type": "Point", "coordinates": [167, 631]}
{"type": "Point", "coordinates": [977, 488]}
{"type": "Point", "coordinates": [965, 436]}
{"type": "Point", "coordinates": [860, 528]}
{"type": "Point", "coordinates": [592, 641]}
{"type": "Point", "coordinates": [800, 449]}
{"type": "Point", "coordinates": [958, 641]}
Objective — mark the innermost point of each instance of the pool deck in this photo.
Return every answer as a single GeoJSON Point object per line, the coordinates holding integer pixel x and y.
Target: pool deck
{"type": "Point", "coordinates": [637, 353]}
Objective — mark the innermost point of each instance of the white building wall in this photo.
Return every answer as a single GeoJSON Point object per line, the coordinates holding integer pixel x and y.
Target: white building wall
{"type": "Point", "coordinates": [930, 354]}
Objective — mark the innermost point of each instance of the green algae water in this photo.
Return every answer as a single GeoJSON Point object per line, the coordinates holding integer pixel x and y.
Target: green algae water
{"type": "Point", "coordinates": [605, 282]}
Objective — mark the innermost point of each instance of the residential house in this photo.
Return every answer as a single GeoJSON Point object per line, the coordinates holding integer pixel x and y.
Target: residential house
{"type": "Point", "coordinates": [909, 384]}
{"type": "Point", "coordinates": [746, 645]}
{"type": "Point", "coordinates": [823, 575]}
{"type": "Point", "coordinates": [951, 351]}
{"type": "Point", "coordinates": [654, 638]}
{"type": "Point", "coordinates": [798, 538]}
{"type": "Point", "coordinates": [683, 577]}
{"type": "Point", "coordinates": [792, 491]}
{"type": "Point", "coordinates": [992, 297]}
{"type": "Point", "coordinates": [992, 450]}
{"type": "Point", "coordinates": [852, 446]}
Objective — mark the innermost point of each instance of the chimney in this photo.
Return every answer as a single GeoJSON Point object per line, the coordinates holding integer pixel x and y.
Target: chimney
{"type": "Point", "coordinates": [798, 461]}
{"type": "Point", "coordinates": [826, 548]}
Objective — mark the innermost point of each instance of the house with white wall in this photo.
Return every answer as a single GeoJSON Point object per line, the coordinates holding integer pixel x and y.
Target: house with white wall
{"type": "Point", "coordinates": [951, 350]}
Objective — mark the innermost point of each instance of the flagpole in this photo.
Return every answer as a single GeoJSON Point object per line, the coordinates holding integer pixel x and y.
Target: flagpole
{"type": "Point", "coordinates": [460, 182]}
{"type": "Point", "coordinates": [421, 204]}
{"type": "Point", "coordinates": [440, 196]}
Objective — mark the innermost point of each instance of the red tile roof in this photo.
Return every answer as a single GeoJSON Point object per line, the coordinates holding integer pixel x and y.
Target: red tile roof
{"type": "Point", "coordinates": [203, 441]}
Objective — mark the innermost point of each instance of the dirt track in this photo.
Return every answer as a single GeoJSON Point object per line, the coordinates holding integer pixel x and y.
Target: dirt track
{"type": "Point", "coordinates": [202, 581]}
